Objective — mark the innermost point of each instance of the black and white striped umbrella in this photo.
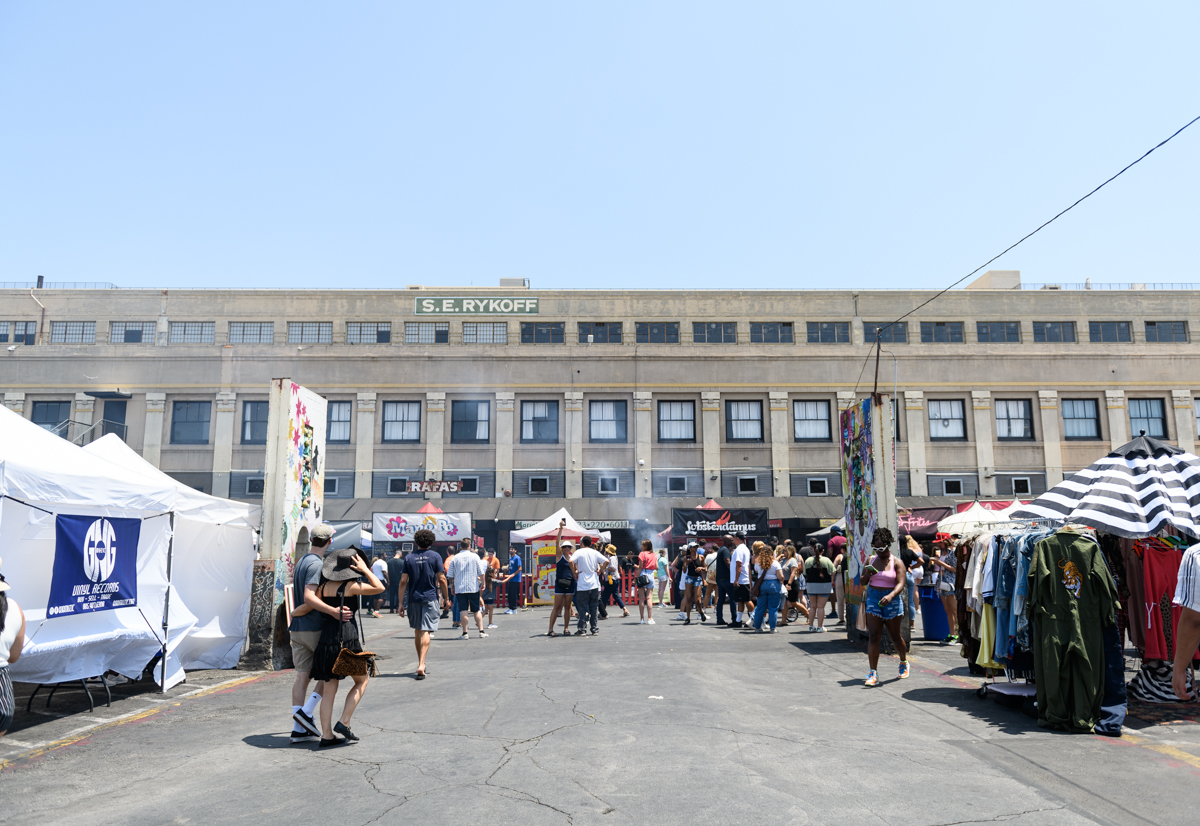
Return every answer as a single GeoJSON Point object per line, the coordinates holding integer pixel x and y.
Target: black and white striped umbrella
{"type": "Point", "coordinates": [1134, 492]}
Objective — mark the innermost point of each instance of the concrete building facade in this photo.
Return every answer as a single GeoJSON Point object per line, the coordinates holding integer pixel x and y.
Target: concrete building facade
{"type": "Point", "coordinates": [617, 403]}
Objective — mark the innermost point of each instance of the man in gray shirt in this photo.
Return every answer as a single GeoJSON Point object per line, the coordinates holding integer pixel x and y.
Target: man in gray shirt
{"type": "Point", "coordinates": [305, 631]}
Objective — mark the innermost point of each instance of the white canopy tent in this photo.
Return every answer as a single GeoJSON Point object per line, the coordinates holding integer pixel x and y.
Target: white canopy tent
{"type": "Point", "coordinates": [43, 477]}
{"type": "Point", "coordinates": [973, 518]}
{"type": "Point", "coordinates": [212, 563]}
{"type": "Point", "coordinates": [548, 529]}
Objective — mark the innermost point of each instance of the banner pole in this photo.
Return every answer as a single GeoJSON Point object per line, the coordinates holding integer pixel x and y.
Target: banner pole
{"type": "Point", "coordinates": [167, 605]}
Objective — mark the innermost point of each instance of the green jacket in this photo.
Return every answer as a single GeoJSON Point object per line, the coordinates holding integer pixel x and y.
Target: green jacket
{"type": "Point", "coordinates": [1071, 599]}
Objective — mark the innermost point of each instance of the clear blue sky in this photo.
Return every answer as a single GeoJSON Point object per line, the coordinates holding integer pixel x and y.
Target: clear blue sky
{"type": "Point", "coordinates": [610, 144]}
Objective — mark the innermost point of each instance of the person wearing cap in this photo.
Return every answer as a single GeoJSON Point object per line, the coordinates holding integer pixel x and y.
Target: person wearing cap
{"type": "Point", "coordinates": [308, 618]}
{"type": "Point", "coordinates": [12, 641]}
{"type": "Point", "coordinates": [693, 572]}
{"type": "Point", "coordinates": [467, 570]}
{"type": "Point", "coordinates": [423, 582]}
{"type": "Point", "coordinates": [564, 583]}
{"type": "Point", "coordinates": [340, 573]}
{"type": "Point", "coordinates": [739, 578]}
{"type": "Point", "coordinates": [836, 548]}
{"type": "Point", "coordinates": [490, 579]}
{"type": "Point", "coordinates": [587, 566]}
{"type": "Point", "coordinates": [611, 584]}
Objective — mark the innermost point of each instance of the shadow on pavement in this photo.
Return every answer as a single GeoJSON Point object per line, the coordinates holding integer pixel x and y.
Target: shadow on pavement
{"type": "Point", "coordinates": [1008, 719]}
{"type": "Point", "coordinates": [272, 741]}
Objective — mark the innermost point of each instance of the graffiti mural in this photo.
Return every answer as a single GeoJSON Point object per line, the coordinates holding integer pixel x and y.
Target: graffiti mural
{"type": "Point", "coordinates": [858, 484]}
{"type": "Point", "coordinates": [304, 473]}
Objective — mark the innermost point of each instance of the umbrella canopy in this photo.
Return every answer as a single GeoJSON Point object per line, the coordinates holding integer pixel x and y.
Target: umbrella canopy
{"type": "Point", "coordinates": [1133, 492]}
{"type": "Point", "coordinates": [974, 517]}
{"type": "Point", "coordinates": [548, 529]}
{"type": "Point", "coordinates": [824, 533]}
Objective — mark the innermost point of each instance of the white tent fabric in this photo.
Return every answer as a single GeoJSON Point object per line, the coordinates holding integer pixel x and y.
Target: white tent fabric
{"type": "Point", "coordinates": [212, 563]}
{"type": "Point", "coordinates": [826, 531]}
{"type": "Point", "coordinates": [548, 529]}
{"type": "Point", "coordinates": [42, 475]}
{"type": "Point", "coordinates": [974, 517]}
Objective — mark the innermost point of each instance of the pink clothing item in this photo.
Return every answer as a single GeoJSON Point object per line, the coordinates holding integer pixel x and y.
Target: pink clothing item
{"type": "Point", "coordinates": [886, 578]}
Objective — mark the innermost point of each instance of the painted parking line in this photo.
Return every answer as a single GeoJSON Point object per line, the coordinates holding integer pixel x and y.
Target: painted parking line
{"type": "Point", "coordinates": [85, 732]}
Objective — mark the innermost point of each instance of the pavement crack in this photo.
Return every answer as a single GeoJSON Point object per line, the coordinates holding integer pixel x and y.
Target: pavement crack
{"type": "Point", "coordinates": [527, 797]}
{"type": "Point", "coordinates": [1004, 817]}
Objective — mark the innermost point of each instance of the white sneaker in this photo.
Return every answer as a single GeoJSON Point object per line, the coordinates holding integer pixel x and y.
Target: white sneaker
{"type": "Point", "coordinates": [482, 634]}
{"type": "Point", "coordinates": [641, 622]}
{"type": "Point", "coordinates": [509, 611]}
{"type": "Point", "coordinates": [649, 622]}
{"type": "Point", "coordinates": [493, 626]}
{"type": "Point", "coordinates": [464, 636]}
{"type": "Point", "coordinates": [681, 616]}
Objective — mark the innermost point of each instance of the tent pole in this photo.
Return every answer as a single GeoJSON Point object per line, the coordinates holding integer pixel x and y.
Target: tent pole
{"type": "Point", "coordinates": [167, 606]}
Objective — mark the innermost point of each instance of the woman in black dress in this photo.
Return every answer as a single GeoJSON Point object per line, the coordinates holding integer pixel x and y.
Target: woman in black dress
{"type": "Point", "coordinates": [340, 573]}
{"type": "Point", "coordinates": [564, 583]}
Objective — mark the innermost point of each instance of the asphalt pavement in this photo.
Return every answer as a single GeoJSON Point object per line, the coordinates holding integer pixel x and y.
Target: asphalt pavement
{"type": "Point", "coordinates": [658, 724]}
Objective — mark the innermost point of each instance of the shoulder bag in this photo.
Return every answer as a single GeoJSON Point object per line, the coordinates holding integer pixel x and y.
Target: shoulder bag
{"type": "Point", "coordinates": [352, 663]}
{"type": "Point", "coordinates": [758, 585]}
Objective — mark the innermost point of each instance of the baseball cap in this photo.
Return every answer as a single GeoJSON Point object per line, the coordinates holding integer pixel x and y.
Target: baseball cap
{"type": "Point", "coordinates": [322, 531]}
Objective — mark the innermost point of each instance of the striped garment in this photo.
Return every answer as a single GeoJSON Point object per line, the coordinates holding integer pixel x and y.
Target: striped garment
{"type": "Point", "coordinates": [7, 705]}
{"type": "Point", "coordinates": [1187, 586]}
{"type": "Point", "coordinates": [1135, 491]}
{"type": "Point", "coordinates": [1152, 683]}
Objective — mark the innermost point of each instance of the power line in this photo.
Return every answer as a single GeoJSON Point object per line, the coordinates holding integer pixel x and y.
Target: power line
{"type": "Point", "coordinates": [1025, 238]}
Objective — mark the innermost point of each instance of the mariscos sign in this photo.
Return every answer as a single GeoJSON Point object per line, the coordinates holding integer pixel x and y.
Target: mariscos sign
{"type": "Point", "coordinates": [440, 305]}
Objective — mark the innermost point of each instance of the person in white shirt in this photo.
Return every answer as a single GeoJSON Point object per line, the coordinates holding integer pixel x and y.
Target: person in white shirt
{"type": "Point", "coordinates": [379, 568]}
{"type": "Point", "coordinates": [12, 641]}
{"type": "Point", "coordinates": [1187, 637]}
{"type": "Point", "coordinates": [467, 570]}
{"type": "Point", "coordinates": [588, 565]}
{"type": "Point", "coordinates": [739, 577]}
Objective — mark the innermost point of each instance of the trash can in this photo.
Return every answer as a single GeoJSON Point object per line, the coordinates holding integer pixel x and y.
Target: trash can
{"type": "Point", "coordinates": [933, 615]}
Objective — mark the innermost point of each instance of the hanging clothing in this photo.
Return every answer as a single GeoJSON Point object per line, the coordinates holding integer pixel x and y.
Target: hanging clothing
{"type": "Point", "coordinates": [1071, 600]}
{"type": "Point", "coordinates": [1160, 570]}
{"type": "Point", "coordinates": [1133, 582]}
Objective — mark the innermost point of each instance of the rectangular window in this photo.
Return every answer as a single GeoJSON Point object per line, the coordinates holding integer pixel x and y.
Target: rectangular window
{"type": "Point", "coordinates": [599, 332]}
{"type": "Point", "coordinates": [539, 422]}
{"type": "Point", "coordinates": [1020, 485]}
{"type": "Point", "coordinates": [607, 421]}
{"type": "Point", "coordinates": [23, 332]}
{"type": "Point", "coordinates": [998, 332]}
{"type": "Point", "coordinates": [1196, 405]}
{"type": "Point", "coordinates": [1053, 331]}
{"type": "Point", "coordinates": [539, 485]}
{"type": "Point", "coordinates": [131, 332]}
{"type": "Point", "coordinates": [252, 332]}
{"type": "Point", "coordinates": [747, 484]}
{"type": "Point", "coordinates": [676, 484]}
{"type": "Point", "coordinates": [812, 422]}
{"type": "Point", "coordinates": [397, 485]}
{"type": "Point", "coordinates": [1105, 331]}
{"type": "Point", "coordinates": [331, 486]}
{"type": "Point", "coordinates": [254, 423]}
{"type": "Point", "coordinates": [338, 423]}
{"type": "Point", "coordinates": [1166, 331]}
{"type": "Point", "coordinates": [310, 332]}
{"type": "Point", "coordinates": [1081, 420]}
{"type": "Point", "coordinates": [770, 332]}
{"type": "Point", "coordinates": [426, 332]}
{"type": "Point", "coordinates": [743, 421]}
{"type": "Point", "coordinates": [938, 332]}
{"type": "Point", "coordinates": [829, 332]}
{"type": "Point", "coordinates": [657, 332]}
{"type": "Point", "coordinates": [542, 332]}
{"type": "Point", "coordinates": [468, 484]}
{"type": "Point", "coordinates": [485, 332]}
{"type": "Point", "coordinates": [1147, 415]}
{"type": "Point", "coordinates": [192, 332]}
{"type": "Point", "coordinates": [51, 415]}
{"type": "Point", "coordinates": [189, 423]}
{"type": "Point", "coordinates": [402, 422]}
{"type": "Point", "coordinates": [469, 422]}
{"type": "Point", "coordinates": [369, 332]}
{"type": "Point", "coordinates": [72, 332]}
{"type": "Point", "coordinates": [255, 485]}
{"type": "Point", "coordinates": [1014, 419]}
{"type": "Point", "coordinates": [714, 332]}
{"type": "Point", "coordinates": [608, 484]}
{"type": "Point", "coordinates": [947, 420]}
{"type": "Point", "coordinates": [892, 332]}
{"type": "Point", "coordinates": [952, 487]}
{"type": "Point", "coordinates": [677, 421]}
{"type": "Point", "coordinates": [818, 487]}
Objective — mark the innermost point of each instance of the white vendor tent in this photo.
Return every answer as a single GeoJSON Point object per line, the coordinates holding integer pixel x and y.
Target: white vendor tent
{"type": "Point", "coordinates": [212, 562]}
{"type": "Point", "coordinates": [44, 477]}
{"type": "Point", "coordinates": [548, 529]}
{"type": "Point", "coordinates": [973, 518]}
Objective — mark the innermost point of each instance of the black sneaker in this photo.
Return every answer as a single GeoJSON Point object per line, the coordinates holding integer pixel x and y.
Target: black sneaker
{"type": "Point", "coordinates": [304, 737]}
{"type": "Point", "coordinates": [720, 622]}
{"type": "Point", "coordinates": [305, 722]}
{"type": "Point", "coordinates": [703, 618]}
{"type": "Point", "coordinates": [335, 741]}
{"type": "Point", "coordinates": [344, 730]}
{"type": "Point", "coordinates": [580, 632]}
{"type": "Point", "coordinates": [687, 622]}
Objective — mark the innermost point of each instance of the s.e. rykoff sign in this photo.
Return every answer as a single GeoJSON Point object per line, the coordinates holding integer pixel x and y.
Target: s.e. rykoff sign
{"type": "Point", "coordinates": [95, 564]}
{"type": "Point", "coordinates": [439, 305]}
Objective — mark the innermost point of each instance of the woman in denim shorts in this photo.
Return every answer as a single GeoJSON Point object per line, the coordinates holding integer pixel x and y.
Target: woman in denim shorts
{"type": "Point", "coordinates": [886, 579]}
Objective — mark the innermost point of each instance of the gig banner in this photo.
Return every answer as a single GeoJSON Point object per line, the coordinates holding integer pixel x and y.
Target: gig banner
{"type": "Point", "coordinates": [95, 564]}
{"type": "Point", "coordinates": [701, 522]}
